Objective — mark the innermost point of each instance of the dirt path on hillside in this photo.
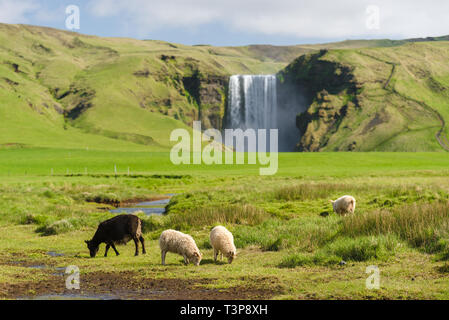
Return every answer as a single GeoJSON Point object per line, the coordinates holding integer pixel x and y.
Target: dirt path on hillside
{"type": "Point", "coordinates": [442, 140]}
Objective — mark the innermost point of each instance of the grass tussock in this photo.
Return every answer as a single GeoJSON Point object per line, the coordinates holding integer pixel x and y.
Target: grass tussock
{"type": "Point", "coordinates": [106, 198]}
{"type": "Point", "coordinates": [381, 193]}
{"type": "Point", "coordinates": [311, 191]}
{"type": "Point", "coordinates": [206, 217]}
{"type": "Point", "coordinates": [346, 249]}
{"type": "Point", "coordinates": [423, 225]}
{"type": "Point", "coordinates": [48, 224]}
{"type": "Point", "coordinates": [57, 227]}
{"type": "Point", "coordinates": [275, 234]}
{"type": "Point", "coordinates": [304, 259]}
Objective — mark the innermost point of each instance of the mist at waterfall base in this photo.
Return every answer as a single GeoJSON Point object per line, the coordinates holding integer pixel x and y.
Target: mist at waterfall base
{"type": "Point", "coordinates": [262, 102]}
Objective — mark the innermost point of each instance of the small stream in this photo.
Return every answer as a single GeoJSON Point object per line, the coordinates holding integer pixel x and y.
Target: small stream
{"type": "Point", "coordinates": [147, 207]}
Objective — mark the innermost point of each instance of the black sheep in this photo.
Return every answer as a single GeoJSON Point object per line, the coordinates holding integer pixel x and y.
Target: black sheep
{"type": "Point", "coordinates": [117, 230]}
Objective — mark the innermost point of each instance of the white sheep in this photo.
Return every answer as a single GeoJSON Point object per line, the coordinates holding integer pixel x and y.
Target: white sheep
{"type": "Point", "coordinates": [180, 243]}
{"type": "Point", "coordinates": [223, 242]}
{"type": "Point", "coordinates": [343, 205]}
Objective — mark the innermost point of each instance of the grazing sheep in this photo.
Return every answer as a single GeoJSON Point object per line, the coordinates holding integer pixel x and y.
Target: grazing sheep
{"type": "Point", "coordinates": [180, 243]}
{"type": "Point", "coordinates": [223, 242]}
{"type": "Point", "coordinates": [117, 230]}
{"type": "Point", "coordinates": [343, 205]}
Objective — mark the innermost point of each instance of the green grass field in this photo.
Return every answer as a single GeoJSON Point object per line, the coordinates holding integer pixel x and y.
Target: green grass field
{"type": "Point", "coordinates": [290, 244]}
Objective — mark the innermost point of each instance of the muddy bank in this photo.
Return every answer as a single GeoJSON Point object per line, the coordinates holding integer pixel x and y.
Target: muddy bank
{"type": "Point", "coordinates": [128, 285]}
{"type": "Point", "coordinates": [121, 284]}
{"type": "Point", "coordinates": [19, 259]}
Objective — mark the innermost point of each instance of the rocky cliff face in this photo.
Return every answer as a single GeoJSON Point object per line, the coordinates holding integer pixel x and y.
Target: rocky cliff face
{"type": "Point", "coordinates": [330, 93]}
{"type": "Point", "coordinates": [209, 95]}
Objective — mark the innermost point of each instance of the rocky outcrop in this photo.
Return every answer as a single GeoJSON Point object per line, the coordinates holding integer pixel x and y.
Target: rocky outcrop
{"type": "Point", "coordinates": [77, 100]}
{"type": "Point", "coordinates": [208, 92]}
{"type": "Point", "coordinates": [330, 92]}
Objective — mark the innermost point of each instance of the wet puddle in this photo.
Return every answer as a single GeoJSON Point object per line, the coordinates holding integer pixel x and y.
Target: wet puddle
{"type": "Point", "coordinates": [38, 266]}
{"type": "Point", "coordinates": [60, 271]}
{"type": "Point", "coordinates": [154, 203]}
{"type": "Point", "coordinates": [55, 254]}
{"type": "Point", "coordinates": [147, 211]}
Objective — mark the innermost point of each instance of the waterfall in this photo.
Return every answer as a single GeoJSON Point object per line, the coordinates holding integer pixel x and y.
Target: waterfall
{"type": "Point", "coordinates": [261, 102]}
{"type": "Point", "coordinates": [252, 102]}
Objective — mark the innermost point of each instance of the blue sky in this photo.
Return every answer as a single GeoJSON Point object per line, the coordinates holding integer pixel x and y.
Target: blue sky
{"type": "Point", "coordinates": [240, 22]}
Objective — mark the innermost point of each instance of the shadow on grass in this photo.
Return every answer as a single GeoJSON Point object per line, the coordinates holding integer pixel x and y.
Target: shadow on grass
{"type": "Point", "coordinates": [325, 214]}
{"type": "Point", "coordinates": [443, 269]}
{"type": "Point", "coordinates": [211, 261]}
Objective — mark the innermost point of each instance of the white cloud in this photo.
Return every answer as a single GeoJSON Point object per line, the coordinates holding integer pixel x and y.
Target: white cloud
{"type": "Point", "coordinates": [15, 11]}
{"type": "Point", "coordinates": [29, 11]}
{"type": "Point", "coordinates": [313, 19]}
{"type": "Point", "coordinates": [300, 18]}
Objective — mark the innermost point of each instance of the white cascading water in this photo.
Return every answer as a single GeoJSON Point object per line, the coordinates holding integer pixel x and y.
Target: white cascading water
{"type": "Point", "coordinates": [252, 102]}
{"type": "Point", "coordinates": [255, 102]}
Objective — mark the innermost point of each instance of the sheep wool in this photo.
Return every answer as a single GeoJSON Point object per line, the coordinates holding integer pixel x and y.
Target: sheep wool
{"type": "Point", "coordinates": [223, 242]}
{"type": "Point", "coordinates": [343, 205]}
{"type": "Point", "coordinates": [180, 243]}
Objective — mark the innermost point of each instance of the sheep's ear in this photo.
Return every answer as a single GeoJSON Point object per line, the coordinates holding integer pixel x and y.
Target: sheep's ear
{"type": "Point", "coordinates": [196, 254]}
{"type": "Point", "coordinates": [331, 201]}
